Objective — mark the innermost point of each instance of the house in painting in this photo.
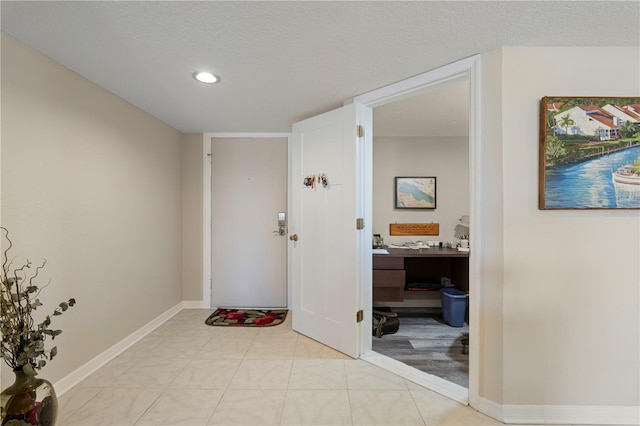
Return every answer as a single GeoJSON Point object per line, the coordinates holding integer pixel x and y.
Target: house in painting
{"type": "Point", "coordinates": [623, 114]}
{"type": "Point", "coordinates": [588, 120]}
{"type": "Point", "coordinates": [634, 108]}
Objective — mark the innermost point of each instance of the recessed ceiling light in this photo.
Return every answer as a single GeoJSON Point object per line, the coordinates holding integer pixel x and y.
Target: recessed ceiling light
{"type": "Point", "coordinates": [205, 77]}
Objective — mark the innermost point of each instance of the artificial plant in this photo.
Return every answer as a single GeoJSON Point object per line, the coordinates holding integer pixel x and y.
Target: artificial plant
{"type": "Point", "coordinates": [23, 339]}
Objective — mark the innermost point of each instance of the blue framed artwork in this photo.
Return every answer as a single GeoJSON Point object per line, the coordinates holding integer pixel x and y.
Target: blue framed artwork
{"type": "Point", "coordinates": [415, 192]}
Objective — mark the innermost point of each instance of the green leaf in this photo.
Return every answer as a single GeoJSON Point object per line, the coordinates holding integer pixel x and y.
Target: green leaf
{"type": "Point", "coordinates": [54, 352]}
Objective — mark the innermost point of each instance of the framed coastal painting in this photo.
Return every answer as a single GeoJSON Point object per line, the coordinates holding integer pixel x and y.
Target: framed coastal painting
{"type": "Point", "coordinates": [415, 192]}
{"type": "Point", "coordinates": [589, 153]}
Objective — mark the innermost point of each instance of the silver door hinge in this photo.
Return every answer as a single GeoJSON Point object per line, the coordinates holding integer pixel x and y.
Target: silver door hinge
{"type": "Point", "coordinates": [360, 131]}
{"type": "Point", "coordinates": [360, 223]}
{"type": "Point", "coordinates": [359, 315]}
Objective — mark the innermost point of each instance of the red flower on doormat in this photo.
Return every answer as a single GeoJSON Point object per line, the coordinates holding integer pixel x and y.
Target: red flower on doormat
{"type": "Point", "coordinates": [235, 315]}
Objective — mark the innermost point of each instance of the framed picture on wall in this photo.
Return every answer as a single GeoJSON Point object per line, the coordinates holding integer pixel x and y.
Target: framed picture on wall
{"type": "Point", "coordinates": [415, 192]}
{"type": "Point", "coordinates": [589, 153]}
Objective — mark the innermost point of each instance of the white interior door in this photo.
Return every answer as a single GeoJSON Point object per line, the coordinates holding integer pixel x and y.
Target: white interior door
{"type": "Point", "coordinates": [324, 268]}
{"type": "Point", "coordinates": [248, 190]}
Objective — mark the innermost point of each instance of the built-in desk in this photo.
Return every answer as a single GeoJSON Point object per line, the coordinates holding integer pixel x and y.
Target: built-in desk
{"type": "Point", "coordinates": [392, 272]}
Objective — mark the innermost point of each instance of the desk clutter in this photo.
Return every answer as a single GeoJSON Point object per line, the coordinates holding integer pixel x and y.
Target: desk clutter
{"type": "Point", "coordinates": [445, 282]}
{"type": "Point", "coordinates": [422, 244]}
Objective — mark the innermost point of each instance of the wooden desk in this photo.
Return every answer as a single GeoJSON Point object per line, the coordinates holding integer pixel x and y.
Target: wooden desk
{"type": "Point", "coordinates": [392, 272]}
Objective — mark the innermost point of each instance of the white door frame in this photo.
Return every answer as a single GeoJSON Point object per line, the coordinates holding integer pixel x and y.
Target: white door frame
{"type": "Point", "coordinates": [469, 67]}
{"type": "Point", "coordinates": [206, 205]}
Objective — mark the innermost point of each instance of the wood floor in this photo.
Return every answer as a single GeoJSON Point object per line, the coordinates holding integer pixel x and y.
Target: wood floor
{"type": "Point", "coordinates": [424, 341]}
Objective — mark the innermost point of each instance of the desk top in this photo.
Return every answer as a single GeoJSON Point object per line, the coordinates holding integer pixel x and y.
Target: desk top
{"type": "Point", "coordinates": [425, 252]}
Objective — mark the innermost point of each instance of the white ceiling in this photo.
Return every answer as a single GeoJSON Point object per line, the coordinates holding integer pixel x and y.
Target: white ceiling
{"type": "Point", "coordinates": [281, 62]}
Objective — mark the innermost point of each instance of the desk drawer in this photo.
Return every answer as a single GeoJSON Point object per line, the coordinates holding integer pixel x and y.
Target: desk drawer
{"type": "Point", "coordinates": [388, 278]}
{"type": "Point", "coordinates": [386, 262]}
{"type": "Point", "coordinates": [388, 294]}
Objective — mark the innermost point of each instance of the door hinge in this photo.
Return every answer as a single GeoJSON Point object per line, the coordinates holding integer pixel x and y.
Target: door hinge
{"type": "Point", "coordinates": [359, 315]}
{"type": "Point", "coordinates": [360, 131]}
{"type": "Point", "coordinates": [360, 223]}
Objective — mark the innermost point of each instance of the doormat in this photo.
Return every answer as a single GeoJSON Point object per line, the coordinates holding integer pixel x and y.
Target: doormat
{"type": "Point", "coordinates": [247, 317]}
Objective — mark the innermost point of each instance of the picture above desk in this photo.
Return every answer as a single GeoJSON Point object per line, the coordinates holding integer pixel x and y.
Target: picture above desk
{"type": "Point", "coordinates": [406, 229]}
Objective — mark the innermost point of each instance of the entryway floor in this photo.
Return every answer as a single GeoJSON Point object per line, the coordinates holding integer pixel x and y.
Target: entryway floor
{"type": "Point", "coordinates": [188, 373]}
{"type": "Point", "coordinates": [424, 341]}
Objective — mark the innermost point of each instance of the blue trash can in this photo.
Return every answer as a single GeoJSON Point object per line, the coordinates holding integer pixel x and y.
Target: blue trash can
{"type": "Point", "coordinates": [454, 305]}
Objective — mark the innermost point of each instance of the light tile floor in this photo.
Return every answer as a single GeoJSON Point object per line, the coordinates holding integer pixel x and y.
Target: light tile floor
{"type": "Point", "coordinates": [188, 373]}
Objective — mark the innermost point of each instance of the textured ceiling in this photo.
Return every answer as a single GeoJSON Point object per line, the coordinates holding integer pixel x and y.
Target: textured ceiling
{"type": "Point", "coordinates": [281, 62]}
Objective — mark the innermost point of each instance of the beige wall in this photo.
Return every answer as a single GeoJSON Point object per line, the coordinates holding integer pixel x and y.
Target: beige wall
{"type": "Point", "coordinates": [489, 226]}
{"type": "Point", "coordinates": [192, 221]}
{"type": "Point", "coordinates": [571, 285]}
{"type": "Point", "coordinates": [446, 158]}
{"type": "Point", "coordinates": [92, 184]}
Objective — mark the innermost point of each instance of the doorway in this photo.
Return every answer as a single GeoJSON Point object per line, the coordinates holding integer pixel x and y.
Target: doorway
{"type": "Point", "coordinates": [465, 68]}
{"type": "Point", "coordinates": [248, 192]}
{"type": "Point", "coordinates": [424, 135]}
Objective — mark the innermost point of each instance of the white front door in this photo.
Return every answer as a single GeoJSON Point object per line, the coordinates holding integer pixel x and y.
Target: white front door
{"type": "Point", "coordinates": [248, 190]}
{"type": "Point", "coordinates": [324, 267]}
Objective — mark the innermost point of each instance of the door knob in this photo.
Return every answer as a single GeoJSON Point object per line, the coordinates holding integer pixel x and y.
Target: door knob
{"type": "Point", "coordinates": [294, 237]}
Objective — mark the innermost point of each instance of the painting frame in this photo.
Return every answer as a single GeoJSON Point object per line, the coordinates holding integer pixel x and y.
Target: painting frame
{"type": "Point", "coordinates": [406, 188]}
{"type": "Point", "coordinates": [589, 153]}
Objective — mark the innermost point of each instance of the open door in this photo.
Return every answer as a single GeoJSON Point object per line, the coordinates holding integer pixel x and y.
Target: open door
{"type": "Point", "coordinates": [325, 270]}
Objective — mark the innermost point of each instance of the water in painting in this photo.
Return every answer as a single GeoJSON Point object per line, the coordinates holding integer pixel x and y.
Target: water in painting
{"type": "Point", "coordinates": [590, 184]}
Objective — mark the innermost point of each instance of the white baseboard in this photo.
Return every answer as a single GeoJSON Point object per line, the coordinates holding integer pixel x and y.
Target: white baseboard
{"type": "Point", "coordinates": [490, 408]}
{"type": "Point", "coordinates": [81, 373]}
{"type": "Point", "coordinates": [571, 414]}
{"type": "Point", "coordinates": [560, 414]}
{"type": "Point", "coordinates": [429, 381]}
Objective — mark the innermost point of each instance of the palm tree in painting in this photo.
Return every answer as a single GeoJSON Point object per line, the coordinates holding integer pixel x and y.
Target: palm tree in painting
{"type": "Point", "coordinates": [566, 121]}
{"type": "Point", "coordinates": [628, 129]}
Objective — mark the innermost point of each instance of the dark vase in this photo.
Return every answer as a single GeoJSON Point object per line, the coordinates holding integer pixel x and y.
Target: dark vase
{"type": "Point", "coordinates": [29, 401]}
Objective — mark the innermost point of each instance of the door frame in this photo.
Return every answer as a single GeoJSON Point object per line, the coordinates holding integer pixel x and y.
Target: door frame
{"type": "Point", "coordinates": [206, 205]}
{"type": "Point", "coordinates": [469, 67]}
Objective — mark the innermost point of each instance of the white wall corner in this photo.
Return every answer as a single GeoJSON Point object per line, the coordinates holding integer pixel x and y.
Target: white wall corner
{"type": "Point", "coordinates": [490, 408]}
{"type": "Point", "coordinates": [195, 304]}
{"type": "Point", "coordinates": [70, 380]}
